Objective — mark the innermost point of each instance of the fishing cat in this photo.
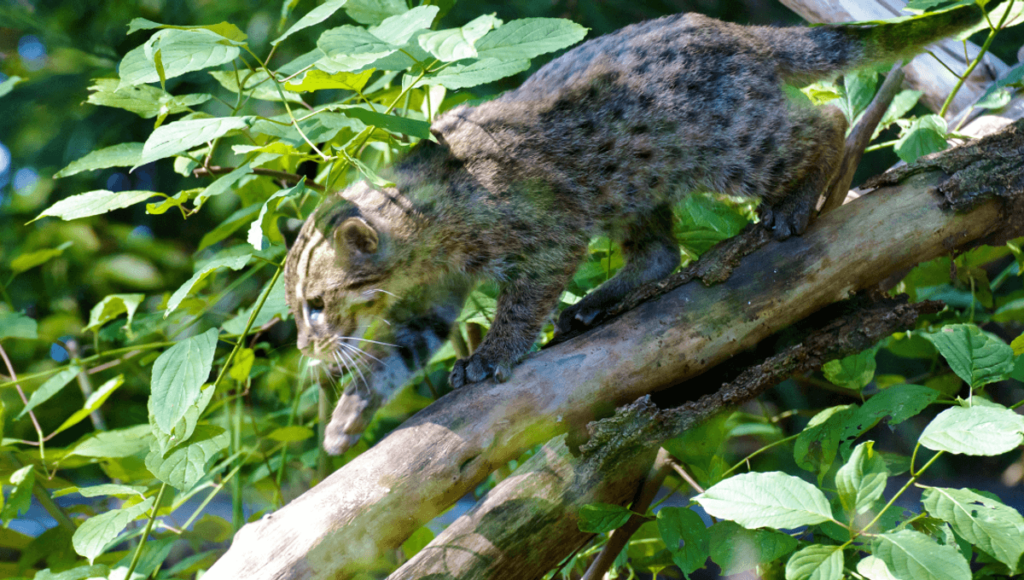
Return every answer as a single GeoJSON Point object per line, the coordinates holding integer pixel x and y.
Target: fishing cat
{"type": "Point", "coordinates": [602, 140]}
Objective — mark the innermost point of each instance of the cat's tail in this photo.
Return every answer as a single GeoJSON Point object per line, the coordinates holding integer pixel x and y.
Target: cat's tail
{"type": "Point", "coordinates": [809, 54]}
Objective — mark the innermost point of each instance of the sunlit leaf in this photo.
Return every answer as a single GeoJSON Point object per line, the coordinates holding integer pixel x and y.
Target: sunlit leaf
{"type": "Point", "coordinates": [143, 100]}
{"type": "Point", "coordinates": [926, 135]}
{"type": "Point", "coordinates": [260, 228]}
{"type": "Point", "coordinates": [258, 85]}
{"type": "Point", "coordinates": [458, 43]}
{"type": "Point", "coordinates": [478, 72]}
{"type": "Point", "coordinates": [16, 325]}
{"type": "Point", "coordinates": [816, 562]}
{"type": "Point", "coordinates": [773, 499]}
{"type": "Point", "coordinates": [20, 498]}
{"type": "Point", "coordinates": [51, 387]}
{"type": "Point", "coordinates": [8, 85]}
{"type": "Point", "coordinates": [234, 263]}
{"type": "Point", "coordinates": [178, 377]}
{"type": "Point", "coordinates": [371, 12]}
{"type": "Point", "coordinates": [862, 480]}
{"type": "Point", "coordinates": [529, 37]}
{"type": "Point", "coordinates": [853, 372]}
{"type": "Point", "coordinates": [974, 356]}
{"type": "Point", "coordinates": [94, 402]}
{"type": "Point", "coordinates": [93, 535]}
{"type": "Point", "coordinates": [913, 555]}
{"type": "Point", "coordinates": [291, 434]}
{"type": "Point", "coordinates": [113, 306]}
{"type": "Point", "coordinates": [311, 18]}
{"type": "Point", "coordinates": [113, 489]}
{"type": "Point", "coordinates": [120, 155]}
{"type": "Point", "coordinates": [990, 526]}
{"type": "Point", "coordinates": [225, 29]}
{"type": "Point", "coordinates": [736, 549]}
{"type": "Point", "coordinates": [94, 203]}
{"type": "Point", "coordinates": [180, 51]}
{"type": "Point", "coordinates": [180, 136]}
{"type": "Point", "coordinates": [978, 430]}
{"type": "Point", "coordinates": [185, 465]}
{"type": "Point", "coordinates": [317, 80]}
{"type": "Point", "coordinates": [115, 443]}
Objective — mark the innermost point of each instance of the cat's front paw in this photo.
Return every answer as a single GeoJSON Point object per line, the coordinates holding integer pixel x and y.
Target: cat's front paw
{"type": "Point", "coordinates": [350, 418]}
{"type": "Point", "coordinates": [578, 316]}
{"type": "Point", "coordinates": [790, 218]}
{"type": "Point", "coordinates": [476, 368]}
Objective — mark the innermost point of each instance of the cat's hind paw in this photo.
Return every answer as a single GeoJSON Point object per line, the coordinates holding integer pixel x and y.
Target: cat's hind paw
{"type": "Point", "coordinates": [475, 369]}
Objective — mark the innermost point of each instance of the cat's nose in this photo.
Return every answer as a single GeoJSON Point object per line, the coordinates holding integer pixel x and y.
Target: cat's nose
{"type": "Point", "coordinates": [303, 341]}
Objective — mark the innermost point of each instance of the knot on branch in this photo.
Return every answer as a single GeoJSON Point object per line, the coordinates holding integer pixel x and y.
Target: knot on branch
{"type": "Point", "coordinates": [986, 168]}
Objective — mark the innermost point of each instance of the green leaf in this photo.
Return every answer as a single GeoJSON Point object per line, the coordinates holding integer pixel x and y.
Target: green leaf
{"type": "Point", "coordinates": [398, 29]}
{"type": "Point", "coordinates": [95, 401]}
{"type": "Point", "coordinates": [458, 43]}
{"type": "Point", "coordinates": [684, 525]}
{"type": "Point", "coordinates": [115, 443]}
{"type": "Point", "coordinates": [260, 228]}
{"type": "Point", "coordinates": [853, 372]}
{"type": "Point", "coordinates": [478, 72]}
{"type": "Point", "coordinates": [391, 123]}
{"type": "Point", "coordinates": [79, 573]}
{"type": "Point", "coordinates": [598, 518]}
{"type": "Point", "coordinates": [241, 366]}
{"type": "Point", "coordinates": [229, 226]}
{"type": "Point", "coordinates": [234, 263]}
{"type": "Point", "coordinates": [773, 499]}
{"type": "Point", "coordinates": [873, 568]}
{"type": "Point", "coordinates": [371, 12]}
{"type": "Point", "coordinates": [1018, 345]}
{"type": "Point", "coordinates": [858, 90]}
{"type": "Point", "coordinates": [979, 430]}
{"type": "Point", "coordinates": [180, 136]}
{"type": "Point", "coordinates": [529, 37]}
{"type": "Point", "coordinates": [225, 29]}
{"type": "Point", "coordinates": [16, 325]}
{"type": "Point", "coordinates": [93, 203]}
{"type": "Point", "coordinates": [901, 104]}
{"type": "Point", "coordinates": [816, 562]}
{"type": "Point", "coordinates": [30, 260]}
{"type": "Point", "coordinates": [113, 306]}
{"type": "Point", "coordinates": [911, 555]}
{"type": "Point", "coordinates": [178, 377]}
{"type": "Point", "coordinates": [291, 434]}
{"type": "Point", "coordinates": [862, 480]}
{"type": "Point", "coordinates": [990, 526]}
{"type": "Point", "coordinates": [113, 489]}
{"type": "Point", "coordinates": [737, 550]}
{"type": "Point", "coordinates": [258, 85]}
{"type": "Point", "coordinates": [120, 155]}
{"type": "Point", "coordinates": [312, 18]}
{"type": "Point", "coordinates": [348, 48]}
{"type": "Point", "coordinates": [180, 51]}
{"type": "Point", "coordinates": [95, 533]}
{"type": "Point", "coordinates": [224, 183]}
{"type": "Point", "coordinates": [816, 447]}
{"type": "Point", "coordinates": [417, 541]}
{"type": "Point", "coordinates": [48, 389]}
{"type": "Point", "coordinates": [143, 100]}
{"type": "Point", "coordinates": [164, 441]}
{"type": "Point", "coordinates": [20, 499]}
{"type": "Point", "coordinates": [275, 306]}
{"type": "Point", "coordinates": [974, 356]}
{"type": "Point", "coordinates": [318, 80]}
{"type": "Point", "coordinates": [926, 135]}
{"type": "Point", "coordinates": [8, 85]}
{"type": "Point", "coordinates": [185, 465]}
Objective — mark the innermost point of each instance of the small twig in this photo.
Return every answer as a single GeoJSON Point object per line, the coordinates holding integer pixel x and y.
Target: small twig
{"type": "Point", "coordinates": [24, 400]}
{"type": "Point", "coordinates": [686, 477]}
{"type": "Point", "coordinates": [859, 138]}
{"type": "Point", "coordinates": [645, 495]}
{"type": "Point", "coordinates": [289, 177]}
{"type": "Point", "coordinates": [85, 385]}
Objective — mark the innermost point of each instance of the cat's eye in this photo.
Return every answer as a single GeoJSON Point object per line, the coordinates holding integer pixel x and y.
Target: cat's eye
{"type": "Point", "coordinates": [316, 307]}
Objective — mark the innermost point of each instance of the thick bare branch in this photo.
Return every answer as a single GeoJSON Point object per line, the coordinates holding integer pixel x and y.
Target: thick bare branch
{"type": "Point", "coordinates": [372, 504]}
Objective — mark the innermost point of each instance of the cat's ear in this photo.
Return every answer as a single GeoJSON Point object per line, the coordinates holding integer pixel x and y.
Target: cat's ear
{"type": "Point", "coordinates": [357, 235]}
{"type": "Point", "coordinates": [289, 228]}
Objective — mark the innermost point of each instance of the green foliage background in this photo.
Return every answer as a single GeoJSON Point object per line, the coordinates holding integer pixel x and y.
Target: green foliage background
{"type": "Point", "coordinates": [125, 291]}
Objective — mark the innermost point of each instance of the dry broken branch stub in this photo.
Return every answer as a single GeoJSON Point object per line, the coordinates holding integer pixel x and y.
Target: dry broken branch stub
{"type": "Point", "coordinates": [371, 505]}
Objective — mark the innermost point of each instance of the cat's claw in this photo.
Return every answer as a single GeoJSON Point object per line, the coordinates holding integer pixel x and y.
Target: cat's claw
{"type": "Point", "coordinates": [475, 369]}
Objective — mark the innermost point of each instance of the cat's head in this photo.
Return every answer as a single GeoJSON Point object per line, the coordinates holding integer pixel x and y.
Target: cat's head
{"type": "Point", "coordinates": [337, 277]}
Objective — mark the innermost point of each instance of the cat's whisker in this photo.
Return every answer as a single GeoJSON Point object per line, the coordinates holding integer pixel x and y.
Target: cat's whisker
{"type": "Point", "coordinates": [358, 350]}
{"type": "Point", "coordinates": [367, 340]}
{"type": "Point", "coordinates": [352, 365]}
{"type": "Point", "coordinates": [375, 290]}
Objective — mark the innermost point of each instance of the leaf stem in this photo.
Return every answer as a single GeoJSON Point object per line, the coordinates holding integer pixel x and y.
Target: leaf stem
{"type": "Point", "coordinates": [913, 479]}
{"type": "Point", "coordinates": [993, 30]}
{"type": "Point", "coordinates": [145, 533]}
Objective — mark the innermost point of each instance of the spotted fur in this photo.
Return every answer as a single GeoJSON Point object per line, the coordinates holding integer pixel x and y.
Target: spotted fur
{"type": "Point", "coordinates": [601, 140]}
